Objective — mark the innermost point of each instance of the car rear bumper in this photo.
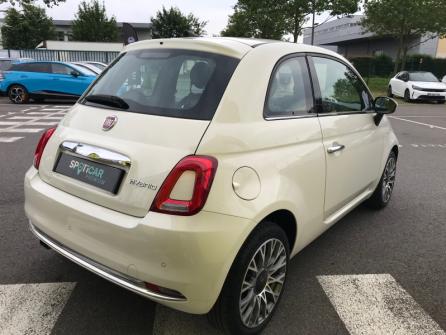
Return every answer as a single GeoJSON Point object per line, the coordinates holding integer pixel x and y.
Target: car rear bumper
{"type": "Point", "coordinates": [190, 255]}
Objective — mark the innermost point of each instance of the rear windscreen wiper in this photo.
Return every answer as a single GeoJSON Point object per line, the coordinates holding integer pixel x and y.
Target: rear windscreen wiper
{"type": "Point", "coordinates": [108, 100]}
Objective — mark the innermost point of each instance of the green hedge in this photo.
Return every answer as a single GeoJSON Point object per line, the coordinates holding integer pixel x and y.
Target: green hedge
{"type": "Point", "coordinates": [382, 66]}
{"type": "Point", "coordinates": [379, 66]}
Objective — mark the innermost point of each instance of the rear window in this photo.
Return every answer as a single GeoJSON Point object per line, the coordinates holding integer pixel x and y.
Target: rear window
{"type": "Point", "coordinates": [172, 83]}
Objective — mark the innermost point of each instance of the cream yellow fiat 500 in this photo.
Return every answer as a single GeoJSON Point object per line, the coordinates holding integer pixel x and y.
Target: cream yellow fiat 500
{"type": "Point", "coordinates": [192, 170]}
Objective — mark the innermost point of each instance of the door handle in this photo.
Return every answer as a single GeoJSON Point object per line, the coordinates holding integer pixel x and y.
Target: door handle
{"type": "Point", "coordinates": [335, 147]}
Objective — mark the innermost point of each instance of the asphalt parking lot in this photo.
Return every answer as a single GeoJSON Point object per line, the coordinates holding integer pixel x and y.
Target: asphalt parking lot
{"type": "Point", "coordinates": [387, 265]}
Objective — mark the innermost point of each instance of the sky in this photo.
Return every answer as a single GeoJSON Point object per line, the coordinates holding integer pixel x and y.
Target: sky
{"type": "Point", "coordinates": [214, 11]}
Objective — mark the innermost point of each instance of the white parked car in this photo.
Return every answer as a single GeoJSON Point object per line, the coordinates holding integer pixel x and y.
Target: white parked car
{"type": "Point", "coordinates": [99, 65]}
{"type": "Point", "coordinates": [89, 66]}
{"type": "Point", "coordinates": [417, 86]}
{"type": "Point", "coordinates": [194, 169]}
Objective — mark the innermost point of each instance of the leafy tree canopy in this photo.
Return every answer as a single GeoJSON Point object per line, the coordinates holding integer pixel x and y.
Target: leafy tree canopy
{"type": "Point", "coordinates": [404, 19]}
{"type": "Point", "coordinates": [25, 29]}
{"type": "Point", "coordinates": [274, 18]}
{"type": "Point", "coordinates": [93, 25]}
{"type": "Point", "coordinates": [169, 23]}
{"type": "Point", "coordinates": [49, 3]}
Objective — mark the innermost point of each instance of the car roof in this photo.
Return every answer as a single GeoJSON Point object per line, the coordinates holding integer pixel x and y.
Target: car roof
{"type": "Point", "coordinates": [230, 46]}
{"type": "Point", "coordinates": [44, 61]}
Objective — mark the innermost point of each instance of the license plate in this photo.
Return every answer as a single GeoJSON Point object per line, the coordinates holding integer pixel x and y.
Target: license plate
{"type": "Point", "coordinates": [433, 94]}
{"type": "Point", "coordinates": [100, 175]}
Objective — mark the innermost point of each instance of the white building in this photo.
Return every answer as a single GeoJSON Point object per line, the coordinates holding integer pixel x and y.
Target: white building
{"type": "Point", "coordinates": [64, 31]}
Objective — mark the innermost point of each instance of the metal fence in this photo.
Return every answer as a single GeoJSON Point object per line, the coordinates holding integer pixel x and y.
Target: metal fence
{"type": "Point", "coordinates": [62, 55]}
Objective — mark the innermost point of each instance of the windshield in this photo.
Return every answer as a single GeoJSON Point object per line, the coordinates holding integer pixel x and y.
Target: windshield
{"type": "Point", "coordinates": [423, 76]}
{"type": "Point", "coordinates": [172, 83]}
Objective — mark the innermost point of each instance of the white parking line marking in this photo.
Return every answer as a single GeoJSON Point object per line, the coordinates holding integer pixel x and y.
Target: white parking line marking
{"type": "Point", "coordinates": [9, 139]}
{"type": "Point", "coordinates": [32, 309]}
{"type": "Point", "coordinates": [25, 118]}
{"type": "Point", "coordinates": [428, 116]}
{"type": "Point", "coordinates": [9, 123]}
{"type": "Point", "coordinates": [13, 123]}
{"type": "Point", "coordinates": [377, 304]}
{"type": "Point", "coordinates": [428, 145]}
{"type": "Point", "coordinates": [21, 130]}
{"type": "Point", "coordinates": [40, 113]}
{"type": "Point", "coordinates": [420, 123]}
{"type": "Point", "coordinates": [53, 109]}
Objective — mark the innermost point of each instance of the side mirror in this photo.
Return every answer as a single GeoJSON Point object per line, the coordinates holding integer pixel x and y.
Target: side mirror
{"type": "Point", "coordinates": [383, 105]}
{"type": "Point", "coordinates": [75, 74]}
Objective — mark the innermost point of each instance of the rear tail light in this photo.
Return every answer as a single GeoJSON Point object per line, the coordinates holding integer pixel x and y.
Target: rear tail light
{"type": "Point", "coordinates": [203, 168]}
{"type": "Point", "coordinates": [41, 146]}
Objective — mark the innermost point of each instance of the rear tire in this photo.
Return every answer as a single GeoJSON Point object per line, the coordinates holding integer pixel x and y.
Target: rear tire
{"type": "Point", "coordinates": [407, 96]}
{"type": "Point", "coordinates": [18, 94]}
{"type": "Point", "coordinates": [383, 192]}
{"type": "Point", "coordinates": [441, 102]}
{"type": "Point", "coordinates": [254, 284]}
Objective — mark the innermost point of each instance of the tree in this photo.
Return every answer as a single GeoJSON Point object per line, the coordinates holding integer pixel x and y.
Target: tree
{"type": "Point", "coordinates": [25, 29]}
{"type": "Point", "coordinates": [299, 10]}
{"type": "Point", "coordinates": [92, 24]}
{"type": "Point", "coordinates": [403, 20]}
{"type": "Point", "coordinates": [258, 18]}
{"type": "Point", "coordinates": [169, 23]}
{"type": "Point", "coordinates": [275, 18]}
{"type": "Point", "coordinates": [49, 3]}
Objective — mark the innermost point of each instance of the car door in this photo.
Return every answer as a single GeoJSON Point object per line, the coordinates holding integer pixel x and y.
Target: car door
{"type": "Point", "coordinates": [352, 143]}
{"type": "Point", "coordinates": [67, 80]}
{"type": "Point", "coordinates": [34, 76]}
{"type": "Point", "coordinates": [401, 83]}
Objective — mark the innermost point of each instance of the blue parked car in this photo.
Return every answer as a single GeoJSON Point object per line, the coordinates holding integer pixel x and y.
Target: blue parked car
{"type": "Point", "coordinates": [40, 80]}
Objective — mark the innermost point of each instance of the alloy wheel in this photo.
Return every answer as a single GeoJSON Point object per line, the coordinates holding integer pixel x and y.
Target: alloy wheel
{"type": "Point", "coordinates": [17, 94]}
{"type": "Point", "coordinates": [263, 283]}
{"type": "Point", "coordinates": [389, 179]}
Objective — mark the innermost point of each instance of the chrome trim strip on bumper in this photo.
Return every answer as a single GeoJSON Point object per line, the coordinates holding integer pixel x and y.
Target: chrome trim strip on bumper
{"type": "Point", "coordinates": [115, 277]}
{"type": "Point", "coordinates": [94, 153]}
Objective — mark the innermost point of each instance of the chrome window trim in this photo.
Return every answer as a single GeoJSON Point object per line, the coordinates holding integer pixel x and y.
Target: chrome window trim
{"type": "Point", "coordinates": [95, 153]}
{"type": "Point", "coordinates": [288, 117]}
{"type": "Point", "coordinates": [127, 282]}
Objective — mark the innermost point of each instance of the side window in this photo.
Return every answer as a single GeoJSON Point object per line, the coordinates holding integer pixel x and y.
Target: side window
{"type": "Point", "coordinates": [290, 89]}
{"type": "Point", "coordinates": [16, 67]}
{"type": "Point", "coordinates": [341, 89]}
{"type": "Point", "coordinates": [61, 69]}
{"type": "Point", "coordinates": [5, 65]}
{"type": "Point", "coordinates": [37, 67]}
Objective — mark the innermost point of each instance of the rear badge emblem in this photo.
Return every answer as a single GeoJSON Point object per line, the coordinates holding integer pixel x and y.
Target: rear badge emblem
{"type": "Point", "coordinates": [109, 122]}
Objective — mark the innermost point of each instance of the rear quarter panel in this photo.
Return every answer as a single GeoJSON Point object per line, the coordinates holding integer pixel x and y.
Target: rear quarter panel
{"type": "Point", "coordinates": [287, 154]}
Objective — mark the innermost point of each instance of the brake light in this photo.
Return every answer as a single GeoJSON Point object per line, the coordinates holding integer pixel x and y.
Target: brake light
{"type": "Point", "coordinates": [204, 168]}
{"type": "Point", "coordinates": [41, 146]}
